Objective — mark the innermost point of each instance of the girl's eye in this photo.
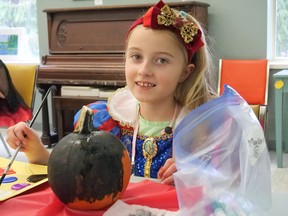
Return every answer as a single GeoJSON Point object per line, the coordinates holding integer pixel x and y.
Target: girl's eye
{"type": "Point", "coordinates": [136, 57]}
{"type": "Point", "coordinates": [162, 61]}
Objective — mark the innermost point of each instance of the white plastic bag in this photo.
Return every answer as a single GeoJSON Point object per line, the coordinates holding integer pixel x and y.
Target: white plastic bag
{"type": "Point", "coordinates": [222, 160]}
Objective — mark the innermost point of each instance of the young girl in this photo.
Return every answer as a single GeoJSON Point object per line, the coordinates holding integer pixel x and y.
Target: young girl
{"type": "Point", "coordinates": [167, 68]}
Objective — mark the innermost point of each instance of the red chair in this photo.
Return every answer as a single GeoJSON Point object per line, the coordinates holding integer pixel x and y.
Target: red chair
{"type": "Point", "coordinates": [250, 79]}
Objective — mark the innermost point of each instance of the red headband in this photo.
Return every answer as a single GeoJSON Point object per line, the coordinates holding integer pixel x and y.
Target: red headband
{"type": "Point", "coordinates": [161, 16]}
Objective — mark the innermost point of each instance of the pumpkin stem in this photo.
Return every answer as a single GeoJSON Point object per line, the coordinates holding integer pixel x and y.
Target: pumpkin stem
{"type": "Point", "coordinates": [85, 123]}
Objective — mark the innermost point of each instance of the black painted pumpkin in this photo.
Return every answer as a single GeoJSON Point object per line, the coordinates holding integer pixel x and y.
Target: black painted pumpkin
{"type": "Point", "coordinates": [89, 169]}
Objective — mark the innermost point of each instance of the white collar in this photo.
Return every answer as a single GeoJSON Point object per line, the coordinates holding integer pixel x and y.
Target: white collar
{"type": "Point", "coordinates": [122, 106]}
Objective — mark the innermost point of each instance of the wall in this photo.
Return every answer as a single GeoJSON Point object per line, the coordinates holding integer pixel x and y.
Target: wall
{"type": "Point", "coordinates": [238, 29]}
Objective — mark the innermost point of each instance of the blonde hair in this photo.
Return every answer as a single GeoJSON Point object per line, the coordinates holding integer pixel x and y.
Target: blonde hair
{"type": "Point", "coordinates": [199, 87]}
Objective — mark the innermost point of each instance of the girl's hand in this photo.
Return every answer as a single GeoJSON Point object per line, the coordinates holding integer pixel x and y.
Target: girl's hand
{"type": "Point", "coordinates": [22, 134]}
{"type": "Point", "coordinates": [166, 171]}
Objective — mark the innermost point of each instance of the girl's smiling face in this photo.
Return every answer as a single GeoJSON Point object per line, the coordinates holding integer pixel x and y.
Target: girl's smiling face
{"type": "Point", "coordinates": [155, 63]}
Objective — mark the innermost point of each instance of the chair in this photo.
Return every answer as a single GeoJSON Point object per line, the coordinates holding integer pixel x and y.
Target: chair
{"type": "Point", "coordinates": [250, 79]}
{"type": "Point", "coordinates": [23, 77]}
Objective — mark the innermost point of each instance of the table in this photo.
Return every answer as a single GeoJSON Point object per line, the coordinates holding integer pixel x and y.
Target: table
{"type": "Point", "coordinates": [41, 201]}
{"type": "Point", "coordinates": [281, 87]}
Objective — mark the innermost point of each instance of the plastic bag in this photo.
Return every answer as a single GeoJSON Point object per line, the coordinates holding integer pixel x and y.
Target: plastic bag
{"type": "Point", "coordinates": [222, 160]}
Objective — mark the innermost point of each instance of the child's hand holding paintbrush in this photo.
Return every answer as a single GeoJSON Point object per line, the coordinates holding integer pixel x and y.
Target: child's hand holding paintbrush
{"type": "Point", "coordinates": [24, 135]}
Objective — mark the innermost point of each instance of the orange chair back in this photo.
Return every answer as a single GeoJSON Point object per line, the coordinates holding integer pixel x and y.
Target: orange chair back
{"type": "Point", "coordinates": [248, 77]}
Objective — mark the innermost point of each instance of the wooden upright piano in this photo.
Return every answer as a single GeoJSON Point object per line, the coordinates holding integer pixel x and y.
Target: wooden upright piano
{"type": "Point", "coordinates": [86, 48]}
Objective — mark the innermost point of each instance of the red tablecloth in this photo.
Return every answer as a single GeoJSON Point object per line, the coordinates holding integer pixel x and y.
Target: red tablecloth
{"type": "Point", "coordinates": [41, 201]}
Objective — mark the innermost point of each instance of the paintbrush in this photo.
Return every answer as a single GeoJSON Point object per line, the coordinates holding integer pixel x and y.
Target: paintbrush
{"type": "Point", "coordinates": [30, 125]}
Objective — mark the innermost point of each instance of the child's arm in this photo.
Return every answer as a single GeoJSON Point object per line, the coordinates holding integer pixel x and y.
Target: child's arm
{"type": "Point", "coordinates": [32, 146]}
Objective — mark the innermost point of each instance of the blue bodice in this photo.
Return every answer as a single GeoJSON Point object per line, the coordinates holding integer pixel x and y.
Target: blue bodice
{"type": "Point", "coordinates": [164, 151]}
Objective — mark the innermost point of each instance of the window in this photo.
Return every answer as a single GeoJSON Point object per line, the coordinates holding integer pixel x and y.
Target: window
{"type": "Point", "coordinates": [18, 31]}
{"type": "Point", "coordinates": [277, 46]}
{"type": "Point", "coordinates": [281, 29]}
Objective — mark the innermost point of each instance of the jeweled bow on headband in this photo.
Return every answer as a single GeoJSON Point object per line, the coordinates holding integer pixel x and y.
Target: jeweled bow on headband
{"type": "Point", "coordinates": [161, 16]}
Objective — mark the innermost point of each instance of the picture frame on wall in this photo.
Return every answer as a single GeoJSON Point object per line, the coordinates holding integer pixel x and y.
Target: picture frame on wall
{"type": "Point", "coordinates": [11, 44]}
